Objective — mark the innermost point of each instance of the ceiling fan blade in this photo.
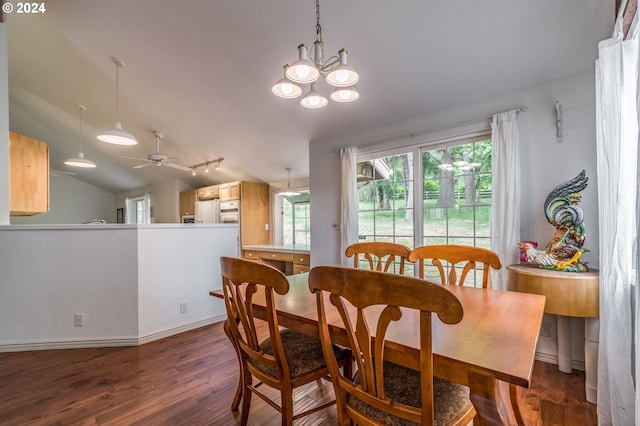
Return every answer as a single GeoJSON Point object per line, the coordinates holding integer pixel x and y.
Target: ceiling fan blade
{"type": "Point", "coordinates": [178, 166]}
{"type": "Point", "coordinates": [136, 158]}
{"type": "Point", "coordinates": [139, 166]}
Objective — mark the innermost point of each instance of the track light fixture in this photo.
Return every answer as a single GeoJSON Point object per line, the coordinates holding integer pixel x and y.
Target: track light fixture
{"type": "Point", "coordinates": [304, 71]}
{"type": "Point", "coordinates": [217, 164]}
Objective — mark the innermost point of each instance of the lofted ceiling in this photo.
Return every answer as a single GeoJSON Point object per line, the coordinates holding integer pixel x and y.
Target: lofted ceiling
{"type": "Point", "coordinates": [201, 72]}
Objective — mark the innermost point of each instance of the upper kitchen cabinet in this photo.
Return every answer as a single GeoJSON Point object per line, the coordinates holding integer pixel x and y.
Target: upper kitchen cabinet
{"type": "Point", "coordinates": [208, 193]}
{"type": "Point", "coordinates": [29, 175]}
{"type": "Point", "coordinates": [229, 191]}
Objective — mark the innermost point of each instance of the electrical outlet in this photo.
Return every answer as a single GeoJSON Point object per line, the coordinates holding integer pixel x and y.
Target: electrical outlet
{"type": "Point", "coordinates": [78, 320]}
{"type": "Point", "coordinates": [545, 330]}
{"type": "Point", "coordinates": [183, 307]}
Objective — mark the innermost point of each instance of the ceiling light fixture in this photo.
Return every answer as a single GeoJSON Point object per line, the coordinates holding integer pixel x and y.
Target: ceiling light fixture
{"type": "Point", "coordinates": [80, 161]}
{"type": "Point", "coordinates": [116, 135]}
{"type": "Point", "coordinates": [217, 164]}
{"type": "Point", "coordinates": [288, 192]}
{"type": "Point", "coordinates": [304, 71]}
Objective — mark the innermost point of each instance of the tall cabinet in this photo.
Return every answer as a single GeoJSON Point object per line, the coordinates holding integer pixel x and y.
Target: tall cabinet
{"type": "Point", "coordinates": [29, 176]}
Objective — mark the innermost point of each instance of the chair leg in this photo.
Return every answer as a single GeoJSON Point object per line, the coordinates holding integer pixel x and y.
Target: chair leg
{"type": "Point", "coordinates": [247, 380]}
{"type": "Point", "coordinates": [513, 393]}
{"type": "Point", "coordinates": [238, 396]}
{"type": "Point", "coordinates": [286, 403]}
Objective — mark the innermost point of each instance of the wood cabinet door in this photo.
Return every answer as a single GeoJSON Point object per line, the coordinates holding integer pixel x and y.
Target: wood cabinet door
{"type": "Point", "coordinates": [229, 191]}
{"type": "Point", "coordinates": [187, 203]}
{"type": "Point", "coordinates": [29, 175]}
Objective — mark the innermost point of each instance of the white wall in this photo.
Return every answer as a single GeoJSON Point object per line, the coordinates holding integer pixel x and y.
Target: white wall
{"type": "Point", "coordinates": [127, 280]}
{"type": "Point", "coordinates": [73, 202]}
{"type": "Point", "coordinates": [50, 274]}
{"type": "Point", "coordinates": [545, 163]}
{"type": "Point", "coordinates": [181, 265]}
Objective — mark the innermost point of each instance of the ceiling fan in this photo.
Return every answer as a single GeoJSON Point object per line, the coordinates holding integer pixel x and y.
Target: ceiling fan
{"type": "Point", "coordinates": [158, 159]}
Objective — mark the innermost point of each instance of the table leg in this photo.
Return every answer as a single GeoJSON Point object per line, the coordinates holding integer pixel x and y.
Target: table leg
{"type": "Point", "coordinates": [564, 344]}
{"type": "Point", "coordinates": [238, 396]}
{"type": "Point", "coordinates": [488, 401]}
{"type": "Point", "coordinates": [591, 339]}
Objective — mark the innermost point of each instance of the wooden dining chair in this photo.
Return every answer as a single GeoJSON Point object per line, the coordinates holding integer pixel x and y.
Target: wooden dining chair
{"type": "Point", "coordinates": [379, 255]}
{"type": "Point", "coordinates": [284, 359]}
{"type": "Point", "coordinates": [450, 255]}
{"type": "Point", "coordinates": [383, 392]}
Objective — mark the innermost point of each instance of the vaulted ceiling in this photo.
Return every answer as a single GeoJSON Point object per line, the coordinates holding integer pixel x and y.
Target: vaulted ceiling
{"type": "Point", "coordinates": [201, 72]}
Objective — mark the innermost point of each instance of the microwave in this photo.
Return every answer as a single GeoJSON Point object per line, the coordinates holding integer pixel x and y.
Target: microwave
{"type": "Point", "coordinates": [189, 218]}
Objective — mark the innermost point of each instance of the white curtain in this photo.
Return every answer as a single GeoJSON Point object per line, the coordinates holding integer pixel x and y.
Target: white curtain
{"type": "Point", "coordinates": [348, 202]}
{"type": "Point", "coordinates": [618, 179]}
{"type": "Point", "coordinates": [505, 193]}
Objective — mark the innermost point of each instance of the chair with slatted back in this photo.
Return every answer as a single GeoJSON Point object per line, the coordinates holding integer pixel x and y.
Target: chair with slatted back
{"type": "Point", "coordinates": [467, 256]}
{"type": "Point", "coordinates": [380, 255]}
{"type": "Point", "coordinates": [277, 357]}
{"type": "Point", "coordinates": [383, 392]}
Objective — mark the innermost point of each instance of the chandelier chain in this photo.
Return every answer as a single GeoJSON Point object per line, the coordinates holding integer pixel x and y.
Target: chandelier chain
{"type": "Point", "coordinates": [320, 60]}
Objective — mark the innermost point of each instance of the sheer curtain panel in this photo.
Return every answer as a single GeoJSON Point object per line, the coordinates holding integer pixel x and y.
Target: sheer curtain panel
{"type": "Point", "coordinates": [505, 193]}
{"type": "Point", "coordinates": [348, 202]}
{"type": "Point", "coordinates": [618, 178]}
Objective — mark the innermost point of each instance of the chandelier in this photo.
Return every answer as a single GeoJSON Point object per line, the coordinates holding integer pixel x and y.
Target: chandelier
{"type": "Point", "coordinates": [303, 71]}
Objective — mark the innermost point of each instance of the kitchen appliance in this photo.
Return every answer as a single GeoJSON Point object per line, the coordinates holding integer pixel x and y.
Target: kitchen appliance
{"type": "Point", "coordinates": [230, 211]}
{"type": "Point", "coordinates": [188, 218]}
{"type": "Point", "coordinates": [207, 211]}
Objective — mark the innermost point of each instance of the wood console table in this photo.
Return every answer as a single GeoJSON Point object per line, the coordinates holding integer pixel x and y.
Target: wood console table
{"type": "Point", "coordinates": [569, 294]}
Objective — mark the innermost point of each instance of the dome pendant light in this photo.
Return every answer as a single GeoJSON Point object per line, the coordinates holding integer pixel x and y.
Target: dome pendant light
{"type": "Point", "coordinates": [288, 192]}
{"type": "Point", "coordinates": [80, 161]}
{"type": "Point", "coordinates": [116, 135]}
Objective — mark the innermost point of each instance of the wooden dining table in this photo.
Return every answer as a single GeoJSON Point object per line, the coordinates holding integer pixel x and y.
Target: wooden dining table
{"type": "Point", "coordinates": [495, 341]}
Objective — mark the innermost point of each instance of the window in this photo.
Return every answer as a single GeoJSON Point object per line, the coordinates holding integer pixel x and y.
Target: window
{"type": "Point", "coordinates": [296, 219]}
{"type": "Point", "coordinates": [139, 209]}
{"type": "Point", "coordinates": [455, 202]}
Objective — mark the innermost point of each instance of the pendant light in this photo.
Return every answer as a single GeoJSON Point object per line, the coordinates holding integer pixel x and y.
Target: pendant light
{"type": "Point", "coordinates": [116, 135]}
{"type": "Point", "coordinates": [80, 161]}
{"type": "Point", "coordinates": [288, 192]}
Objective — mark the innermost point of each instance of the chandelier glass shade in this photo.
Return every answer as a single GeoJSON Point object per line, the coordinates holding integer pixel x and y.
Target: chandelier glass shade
{"type": "Point", "coordinates": [80, 160]}
{"type": "Point", "coordinates": [116, 135]}
{"type": "Point", "coordinates": [306, 71]}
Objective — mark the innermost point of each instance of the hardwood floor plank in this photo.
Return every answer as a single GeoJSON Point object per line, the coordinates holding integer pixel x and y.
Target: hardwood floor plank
{"type": "Point", "coordinates": [190, 379]}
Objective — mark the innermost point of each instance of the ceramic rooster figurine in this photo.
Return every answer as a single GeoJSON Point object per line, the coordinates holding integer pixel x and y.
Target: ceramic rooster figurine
{"type": "Point", "coordinates": [564, 250]}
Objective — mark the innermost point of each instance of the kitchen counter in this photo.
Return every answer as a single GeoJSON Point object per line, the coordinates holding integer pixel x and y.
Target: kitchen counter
{"type": "Point", "coordinates": [298, 248]}
{"type": "Point", "coordinates": [287, 258]}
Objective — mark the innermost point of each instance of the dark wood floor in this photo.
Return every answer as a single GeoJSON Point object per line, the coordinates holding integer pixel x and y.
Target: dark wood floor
{"type": "Point", "coordinates": [189, 379]}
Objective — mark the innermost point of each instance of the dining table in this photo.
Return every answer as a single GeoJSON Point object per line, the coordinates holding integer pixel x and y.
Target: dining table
{"type": "Point", "coordinates": [494, 343]}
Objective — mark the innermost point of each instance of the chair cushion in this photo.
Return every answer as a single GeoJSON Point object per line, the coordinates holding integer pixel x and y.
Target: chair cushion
{"type": "Point", "coordinates": [402, 385]}
{"type": "Point", "coordinates": [303, 353]}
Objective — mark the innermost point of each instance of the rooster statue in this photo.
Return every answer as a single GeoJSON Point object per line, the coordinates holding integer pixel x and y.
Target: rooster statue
{"type": "Point", "coordinates": [564, 250]}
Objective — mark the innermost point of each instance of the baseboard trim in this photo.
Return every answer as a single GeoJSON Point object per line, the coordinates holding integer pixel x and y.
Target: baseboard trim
{"type": "Point", "coordinates": [108, 342]}
{"type": "Point", "coordinates": [181, 329]}
{"type": "Point", "coordinates": [553, 359]}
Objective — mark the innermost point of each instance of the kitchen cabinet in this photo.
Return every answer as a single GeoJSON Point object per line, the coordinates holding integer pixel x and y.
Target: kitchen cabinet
{"type": "Point", "coordinates": [188, 202]}
{"type": "Point", "coordinates": [29, 176]}
{"type": "Point", "coordinates": [289, 261]}
{"type": "Point", "coordinates": [229, 191]}
{"type": "Point", "coordinates": [208, 193]}
{"type": "Point", "coordinates": [254, 211]}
